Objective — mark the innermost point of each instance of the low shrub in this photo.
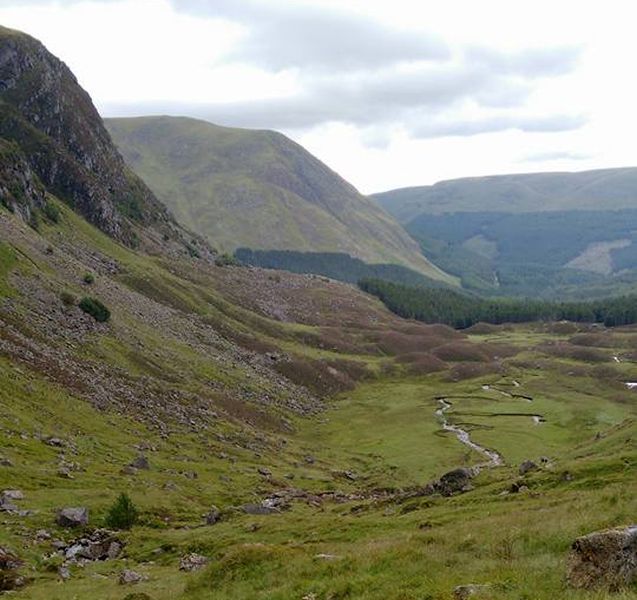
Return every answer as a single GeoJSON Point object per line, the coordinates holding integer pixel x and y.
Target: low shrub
{"type": "Point", "coordinates": [95, 308]}
{"type": "Point", "coordinates": [68, 299]}
{"type": "Point", "coordinates": [88, 278]}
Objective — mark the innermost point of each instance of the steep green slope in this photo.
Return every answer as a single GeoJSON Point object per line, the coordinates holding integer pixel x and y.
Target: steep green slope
{"type": "Point", "coordinates": [587, 190]}
{"type": "Point", "coordinates": [258, 189]}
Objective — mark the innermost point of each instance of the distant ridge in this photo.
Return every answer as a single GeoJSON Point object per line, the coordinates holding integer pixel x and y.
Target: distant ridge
{"type": "Point", "coordinates": [606, 189]}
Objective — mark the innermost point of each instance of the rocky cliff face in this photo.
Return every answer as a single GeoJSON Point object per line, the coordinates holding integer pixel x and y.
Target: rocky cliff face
{"type": "Point", "coordinates": [52, 120]}
{"type": "Point", "coordinates": [20, 189]}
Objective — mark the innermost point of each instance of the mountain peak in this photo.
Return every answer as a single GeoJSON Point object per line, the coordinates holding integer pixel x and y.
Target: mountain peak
{"type": "Point", "coordinates": [54, 123]}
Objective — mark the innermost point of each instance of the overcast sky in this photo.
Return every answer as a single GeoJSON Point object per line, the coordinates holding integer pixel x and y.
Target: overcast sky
{"type": "Point", "coordinates": [389, 93]}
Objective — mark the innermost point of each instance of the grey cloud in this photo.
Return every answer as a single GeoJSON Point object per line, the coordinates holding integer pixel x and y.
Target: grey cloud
{"type": "Point", "coordinates": [356, 70]}
{"type": "Point", "coordinates": [289, 35]}
{"type": "Point", "coordinates": [532, 124]}
{"type": "Point", "coordinates": [362, 99]}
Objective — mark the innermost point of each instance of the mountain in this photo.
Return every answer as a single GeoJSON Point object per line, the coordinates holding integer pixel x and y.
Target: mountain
{"type": "Point", "coordinates": [260, 190]}
{"type": "Point", "coordinates": [179, 428]}
{"type": "Point", "coordinates": [57, 140]}
{"type": "Point", "coordinates": [587, 190]}
{"type": "Point", "coordinates": [554, 235]}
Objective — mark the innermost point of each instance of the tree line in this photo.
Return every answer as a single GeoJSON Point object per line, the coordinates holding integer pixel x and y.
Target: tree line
{"type": "Point", "coordinates": [438, 305]}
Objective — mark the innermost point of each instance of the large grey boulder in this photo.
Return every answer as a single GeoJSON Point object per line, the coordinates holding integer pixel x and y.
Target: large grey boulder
{"type": "Point", "coordinates": [73, 517]}
{"type": "Point", "coordinates": [455, 482]}
{"type": "Point", "coordinates": [140, 462]}
{"type": "Point", "coordinates": [604, 559]}
{"type": "Point", "coordinates": [128, 577]}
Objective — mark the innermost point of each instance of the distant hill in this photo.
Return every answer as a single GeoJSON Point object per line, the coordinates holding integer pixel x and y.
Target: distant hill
{"type": "Point", "coordinates": [261, 190]}
{"type": "Point", "coordinates": [556, 235]}
{"type": "Point", "coordinates": [587, 190]}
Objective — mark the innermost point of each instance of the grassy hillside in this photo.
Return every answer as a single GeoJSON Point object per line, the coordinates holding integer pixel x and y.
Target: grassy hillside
{"type": "Point", "coordinates": [242, 385]}
{"type": "Point", "coordinates": [284, 433]}
{"type": "Point", "coordinates": [610, 189]}
{"type": "Point", "coordinates": [258, 189]}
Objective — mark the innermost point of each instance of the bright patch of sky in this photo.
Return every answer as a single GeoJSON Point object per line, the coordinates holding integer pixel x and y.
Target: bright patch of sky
{"type": "Point", "coordinates": [388, 94]}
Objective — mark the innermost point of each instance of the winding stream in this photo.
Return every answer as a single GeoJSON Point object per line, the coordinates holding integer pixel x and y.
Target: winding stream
{"type": "Point", "coordinates": [495, 459]}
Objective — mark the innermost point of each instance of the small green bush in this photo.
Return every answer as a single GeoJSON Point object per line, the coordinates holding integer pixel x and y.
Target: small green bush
{"type": "Point", "coordinates": [51, 212]}
{"type": "Point", "coordinates": [226, 260]}
{"type": "Point", "coordinates": [95, 308]}
{"type": "Point", "coordinates": [88, 278]}
{"type": "Point", "coordinates": [68, 299]}
{"type": "Point", "coordinates": [122, 514]}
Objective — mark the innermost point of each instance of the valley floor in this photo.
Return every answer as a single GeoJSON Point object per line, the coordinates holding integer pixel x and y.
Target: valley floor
{"type": "Point", "coordinates": [261, 392]}
{"type": "Point", "coordinates": [372, 543]}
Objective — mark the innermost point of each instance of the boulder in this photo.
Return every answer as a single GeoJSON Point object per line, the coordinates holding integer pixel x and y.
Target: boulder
{"type": "Point", "coordinates": [140, 462]}
{"type": "Point", "coordinates": [258, 509]}
{"type": "Point", "coordinates": [604, 559]}
{"type": "Point", "coordinates": [455, 482]}
{"type": "Point", "coordinates": [265, 472]}
{"type": "Point", "coordinates": [65, 473]}
{"type": "Point", "coordinates": [192, 562]}
{"type": "Point", "coordinates": [527, 466]}
{"type": "Point", "coordinates": [213, 516]}
{"type": "Point", "coordinates": [72, 517]}
{"type": "Point", "coordinates": [472, 590]}
{"type": "Point", "coordinates": [12, 495]}
{"type": "Point", "coordinates": [9, 565]}
{"type": "Point", "coordinates": [128, 577]}
{"type": "Point", "coordinates": [64, 573]}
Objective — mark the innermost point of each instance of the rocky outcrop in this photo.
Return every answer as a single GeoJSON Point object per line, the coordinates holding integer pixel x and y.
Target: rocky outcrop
{"type": "Point", "coordinates": [20, 189]}
{"type": "Point", "coordinates": [604, 559]}
{"type": "Point", "coordinates": [47, 115]}
{"type": "Point", "coordinates": [101, 544]}
{"type": "Point", "coordinates": [10, 579]}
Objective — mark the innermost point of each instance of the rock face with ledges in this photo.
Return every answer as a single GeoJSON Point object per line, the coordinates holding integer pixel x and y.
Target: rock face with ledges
{"type": "Point", "coordinates": [47, 115]}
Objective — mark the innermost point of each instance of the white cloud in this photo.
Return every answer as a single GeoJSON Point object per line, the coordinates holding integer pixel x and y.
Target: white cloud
{"type": "Point", "coordinates": [388, 94]}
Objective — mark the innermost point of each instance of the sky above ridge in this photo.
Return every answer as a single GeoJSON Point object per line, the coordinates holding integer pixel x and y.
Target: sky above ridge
{"type": "Point", "coordinates": [387, 93]}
